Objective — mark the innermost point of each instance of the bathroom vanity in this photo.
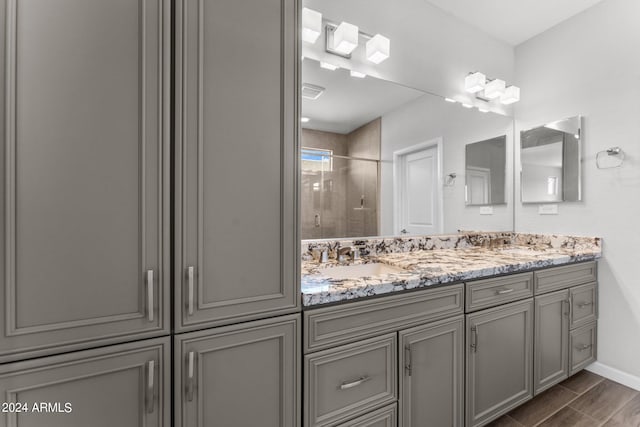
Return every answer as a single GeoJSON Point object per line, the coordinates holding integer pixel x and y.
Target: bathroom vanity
{"type": "Point", "coordinates": [483, 330]}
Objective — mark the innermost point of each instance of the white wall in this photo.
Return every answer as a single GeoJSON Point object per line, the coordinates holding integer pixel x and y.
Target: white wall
{"type": "Point", "coordinates": [590, 65]}
{"type": "Point", "coordinates": [430, 117]}
{"type": "Point", "coordinates": [430, 49]}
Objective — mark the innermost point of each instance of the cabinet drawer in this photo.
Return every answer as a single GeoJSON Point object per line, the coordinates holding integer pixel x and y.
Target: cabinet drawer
{"type": "Point", "coordinates": [564, 277]}
{"type": "Point", "coordinates": [583, 347]}
{"type": "Point", "coordinates": [490, 292]}
{"type": "Point", "coordinates": [348, 381]}
{"type": "Point", "coordinates": [385, 417]}
{"type": "Point", "coordinates": [584, 300]}
{"type": "Point", "coordinates": [331, 326]}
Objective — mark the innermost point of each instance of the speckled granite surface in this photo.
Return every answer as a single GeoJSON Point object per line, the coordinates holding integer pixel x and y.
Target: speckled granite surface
{"type": "Point", "coordinates": [427, 261]}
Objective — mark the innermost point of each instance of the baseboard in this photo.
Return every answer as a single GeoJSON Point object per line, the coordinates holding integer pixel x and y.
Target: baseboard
{"type": "Point", "coordinates": [615, 375]}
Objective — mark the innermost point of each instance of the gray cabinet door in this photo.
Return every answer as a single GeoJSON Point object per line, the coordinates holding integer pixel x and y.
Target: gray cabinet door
{"type": "Point", "coordinates": [239, 376]}
{"type": "Point", "coordinates": [236, 106]}
{"type": "Point", "coordinates": [551, 343]}
{"type": "Point", "coordinates": [83, 117]}
{"type": "Point", "coordinates": [499, 360]}
{"type": "Point", "coordinates": [432, 374]}
{"type": "Point", "coordinates": [125, 385]}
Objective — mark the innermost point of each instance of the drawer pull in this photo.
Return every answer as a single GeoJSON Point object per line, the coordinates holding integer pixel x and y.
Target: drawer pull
{"type": "Point", "coordinates": [585, 304]}
{"type": "Point", "coordinates": [355, 383]}
{"type": "Point", "coordinates": [584, 347]}
{"type": "Point", "coordinates": [505, 291]}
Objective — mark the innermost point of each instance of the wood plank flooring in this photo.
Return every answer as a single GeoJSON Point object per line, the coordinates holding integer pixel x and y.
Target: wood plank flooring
{"type": "Point", "coordinates": [584, 400]}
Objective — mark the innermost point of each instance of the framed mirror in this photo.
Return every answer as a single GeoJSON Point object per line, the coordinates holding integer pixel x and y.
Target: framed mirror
{"type": "Point", "coordinates": [486, 172]}
{"type": "Point", "coordinates": [550, 156]}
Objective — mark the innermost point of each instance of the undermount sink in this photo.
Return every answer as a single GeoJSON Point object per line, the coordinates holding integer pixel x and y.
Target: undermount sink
{"type": "Point", "coordinates": [360, 270]}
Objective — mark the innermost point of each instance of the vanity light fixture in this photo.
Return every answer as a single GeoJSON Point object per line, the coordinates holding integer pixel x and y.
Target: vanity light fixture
{"type": "Point", "coordinates": [345, 38]}
{"type": "Point", "coordinates": [494, 89]}
{"type": "Point", "coordinates": [311, 25]}
{"type": "Point", "coordinates": [511, 95]}
{"type": "Point", "coordinates": [328, 66]}
{"type": "Point", "coordinates": [475, 82]}
{"type": "Point", "coordinates": [378, 48]}
{"type": "Point", "coordinates": [357, 74]}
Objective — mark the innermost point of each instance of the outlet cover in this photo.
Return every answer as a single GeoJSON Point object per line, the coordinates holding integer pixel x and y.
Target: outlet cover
{"type": "Point", "coordinates": [548, 209]}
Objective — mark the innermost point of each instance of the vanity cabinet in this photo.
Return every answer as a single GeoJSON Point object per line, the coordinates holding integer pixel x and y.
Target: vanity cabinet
{"type": "Point", "coordinates": [566, 324]}
{"type": "Point", "coordinates": [432, 374]}
{"type": "Point", "coordinates": [239, 376]}
{"type": "Point", "coordinates": [237, 249]}
{"type": "Point", "coordinates": [499, 360]}
{"type": "Point", "coordinates": [84, 119]}
{"type": "Point", "coordinates": [125, 385]}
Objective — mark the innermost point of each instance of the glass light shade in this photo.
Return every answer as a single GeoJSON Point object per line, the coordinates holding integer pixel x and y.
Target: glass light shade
{"type": "Point", "coordinates": [494, 89]}
{"type": "Point", "coordinates": [378, 49]}
{"type": "Point", "coordinates": [475, 82]}
{"type": "Point", "coordinates": [511, 95]}
{"type": "Point", "coordinates": [345, 38]}
{"type": "Point", "coordinates": [311, 25]}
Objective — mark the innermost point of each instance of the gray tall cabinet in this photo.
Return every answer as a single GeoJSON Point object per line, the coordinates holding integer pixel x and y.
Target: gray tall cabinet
{"type": "Point", "coordinates": [87, 118]}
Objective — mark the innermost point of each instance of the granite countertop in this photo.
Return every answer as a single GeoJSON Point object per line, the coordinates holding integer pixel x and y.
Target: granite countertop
{"type": "Point", "coordinates": [428, 267]}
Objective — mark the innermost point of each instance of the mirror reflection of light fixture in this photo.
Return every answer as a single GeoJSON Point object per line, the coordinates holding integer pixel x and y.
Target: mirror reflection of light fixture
{"type": "Point", "coordinates": [311, 25]}
{"type": "Point", "coordinates": [378, 49]}
{"type": "Point", "coordinates": [475, 82]}
{"type": "Point", "coordinates": [511, 95]}
{"type": "Point", "coordinates": [357, 74]}
{"type": "Point", "coordinates": [345, 38]}
{"type": "Point", "coordinates": [494, 89]}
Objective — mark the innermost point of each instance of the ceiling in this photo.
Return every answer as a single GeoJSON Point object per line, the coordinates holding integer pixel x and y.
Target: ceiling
{"type": "Point", "coordinates": [513, 21]}
{"type": "Point", "coordinates": [348, 102]}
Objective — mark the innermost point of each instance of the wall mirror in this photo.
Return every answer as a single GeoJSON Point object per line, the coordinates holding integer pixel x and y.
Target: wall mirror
{"type": "Point", "coordinates": [550, 156]}
{"type": "Point", "coordinates": [486, 172]}
{"type": "Point", "coordinates": [380, 157]}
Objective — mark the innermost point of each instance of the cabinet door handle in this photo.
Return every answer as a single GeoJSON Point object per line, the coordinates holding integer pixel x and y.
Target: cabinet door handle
{"type": "Point", "coordinates": [584, 347]}
{"type": "Point", "coordinates": [570, 307]}
{"type": "Point", "coordinates": [474, 338]}
{"type": "Point", "coordinates": [407, 359]}
{"type": "Point", "coordinates": [190, 377]}
{"type": "Point", "coordinates": [151, 398]}
{"type": "Point", "coordinates": [190, 274]}
{"type": "Point", "coordinates": [585, 304]}
{"type": "Point", "coordinates": [566, 302]}
{"type": "Point", "coordinates": [505, 291]}
{"type": "Point", "coordinates": [150, 295]}
{"type": "Point", "coordinates": [355, 383]}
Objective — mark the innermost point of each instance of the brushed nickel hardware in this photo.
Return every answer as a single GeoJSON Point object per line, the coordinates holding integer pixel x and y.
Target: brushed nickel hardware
{"type": "Point", "coordinates": [355, 383]}
{"type": "Point", "coordinates": [407, 358]}
{"type": "Point", "coordinates": [567, 302]}
{"type": "Point", "coordinates": [505, 291]}
{"type": "Point", "coordinates": [150, 295]}
{"type": "Point", "coordinates": [151, 398]}
{"type": "Point", "coordinates": [190, 378]}
{"type": "Point", "coordinates": [584, 347]}
{"type": "Point", "coordinates": [585, 304]}
{"type": "Point", "coordinates": [570, 307]}
{"type": "Point", "coordinates": [474, 341]}
{"type": "Point", "coordinates": [190, 274]}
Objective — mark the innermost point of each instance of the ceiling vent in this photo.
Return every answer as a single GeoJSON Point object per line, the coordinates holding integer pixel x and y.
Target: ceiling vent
{"type": "Point", "coordinates": [310, 91]}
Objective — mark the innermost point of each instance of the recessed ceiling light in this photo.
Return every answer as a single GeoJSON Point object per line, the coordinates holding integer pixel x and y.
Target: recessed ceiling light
{"type": "Point", "coordinates": [328, 66]}
{"type": "Point", "coordinates": [467, 105]}
{"type": "Point", "coordinates": [483, 110]}
{"type": "Point", "coordinates": [311, 25]}
{"type": "Point", "coordinates": [378, 49]}
{"type": "Point", "coordinates": [357, 74]}
{"type": "Point", "coordinates": [304, 119]}
{"type": "Point", "coordinates": [450, 100]}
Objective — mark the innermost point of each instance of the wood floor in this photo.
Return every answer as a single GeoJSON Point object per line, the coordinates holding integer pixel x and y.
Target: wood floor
{"type": "Point", "coordinates": [584, 400]}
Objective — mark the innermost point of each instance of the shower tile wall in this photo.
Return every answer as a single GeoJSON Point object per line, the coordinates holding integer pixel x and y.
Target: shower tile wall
{"type": "Point", "coordinates": [345, 197]}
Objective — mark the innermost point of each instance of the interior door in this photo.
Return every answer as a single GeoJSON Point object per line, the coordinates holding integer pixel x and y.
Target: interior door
{"type": "Point", "coordinates": [418, 190]}
{"type": "Point", "coordinates": [124, 385]}
{"type": "Point", "coordinates": [236, 151]}
{"type": "Point", "coordinates": [478, 186]}
{"type": "Point", "coordinates": [85, 170]}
